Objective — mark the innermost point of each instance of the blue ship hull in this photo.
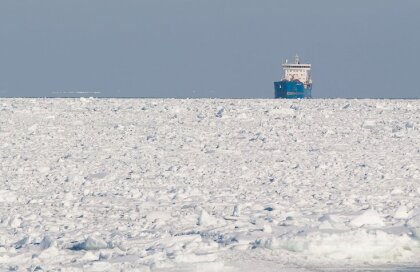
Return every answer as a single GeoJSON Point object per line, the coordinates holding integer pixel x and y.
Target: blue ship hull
{"type": "Point", "coordinates": [292, 89]}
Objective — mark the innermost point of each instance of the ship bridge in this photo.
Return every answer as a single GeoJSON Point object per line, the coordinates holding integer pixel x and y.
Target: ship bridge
{"type": "Point", "coordinates": [297, 71]}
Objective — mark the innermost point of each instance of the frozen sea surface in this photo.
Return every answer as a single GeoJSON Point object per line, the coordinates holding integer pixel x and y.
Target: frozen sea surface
{"type": "Point", "coordinates": [209, 185]}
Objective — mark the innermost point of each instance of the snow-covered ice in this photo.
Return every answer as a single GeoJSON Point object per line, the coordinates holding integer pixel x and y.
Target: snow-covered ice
{"type": "Point", "coordinates": [209, 185]}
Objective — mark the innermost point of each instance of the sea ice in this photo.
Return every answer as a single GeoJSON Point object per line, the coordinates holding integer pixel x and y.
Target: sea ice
{"type": "Point", "coordinates": [368, 218]}
{"type": "Point", "coordinates": [7, 196]}
{"type": "Point", "coordinates": [209, 185]}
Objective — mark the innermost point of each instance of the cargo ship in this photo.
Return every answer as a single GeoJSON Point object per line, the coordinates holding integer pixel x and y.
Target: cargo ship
{"type": "Point", "coordinates": [296, 82]}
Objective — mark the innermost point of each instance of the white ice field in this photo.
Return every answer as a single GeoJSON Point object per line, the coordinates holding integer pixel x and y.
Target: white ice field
{"type": "Point", "coordinates": [209, 185]}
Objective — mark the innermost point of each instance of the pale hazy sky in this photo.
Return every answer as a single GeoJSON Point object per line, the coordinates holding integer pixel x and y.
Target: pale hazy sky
{"type": "Point", "coordinates": [208, 48]}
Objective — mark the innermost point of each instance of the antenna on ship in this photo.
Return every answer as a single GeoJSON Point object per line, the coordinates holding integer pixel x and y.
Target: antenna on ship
{"type": "Point", "coordinates": [297, 59]}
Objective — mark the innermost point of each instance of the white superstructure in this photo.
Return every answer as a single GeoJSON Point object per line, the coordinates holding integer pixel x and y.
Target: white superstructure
{"type": "Point", "coordinates": [297, 71]}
